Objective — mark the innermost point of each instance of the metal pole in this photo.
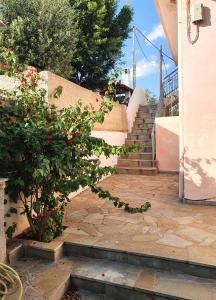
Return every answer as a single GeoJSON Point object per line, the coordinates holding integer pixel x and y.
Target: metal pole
{"type": "Point", "coordinates": [160, 104]}
{"type": "Point", "coordinates": [161, 72]}
{"type": "Point", "coordinates": [134, 57]}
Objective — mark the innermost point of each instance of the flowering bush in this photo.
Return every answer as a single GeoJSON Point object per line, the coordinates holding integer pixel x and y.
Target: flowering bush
{"type": "Point", "coordinates": [47, 153]}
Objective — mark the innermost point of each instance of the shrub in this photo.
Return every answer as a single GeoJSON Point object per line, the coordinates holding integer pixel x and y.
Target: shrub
{"type": "Point", "coordinates": [47, 153]}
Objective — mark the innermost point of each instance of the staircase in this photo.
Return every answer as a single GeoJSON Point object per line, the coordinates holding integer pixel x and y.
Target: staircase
{"type": "Point", "coordinates": [140, 163]}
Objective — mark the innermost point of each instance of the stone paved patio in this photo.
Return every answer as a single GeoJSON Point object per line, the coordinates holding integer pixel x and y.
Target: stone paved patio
{"type": "Point", "coordinates": [169, 229]}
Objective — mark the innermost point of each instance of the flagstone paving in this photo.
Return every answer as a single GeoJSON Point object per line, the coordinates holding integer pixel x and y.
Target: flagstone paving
{"type": "Point", "coordinates": [168, 229]}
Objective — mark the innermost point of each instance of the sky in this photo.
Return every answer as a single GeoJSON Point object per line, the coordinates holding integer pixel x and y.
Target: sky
{"type": "Point", "coordinates": [147, 20]}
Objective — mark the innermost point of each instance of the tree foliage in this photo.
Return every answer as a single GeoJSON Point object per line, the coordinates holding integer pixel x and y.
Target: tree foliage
{"type": "Point", "coordinates": [103, 30]}
{"type": "Point", "coordinates": [47, 153]}
{"type": "Point", "coordinates": [42, 33]}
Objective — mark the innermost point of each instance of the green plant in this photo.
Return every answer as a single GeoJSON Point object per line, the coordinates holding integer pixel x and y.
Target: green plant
{"type": "Point", "coordinates": [47, 153]}
{"type": "Point", "coordinates": [150, 97]}
{"type": "Point", "coordinates": [42, 33]}
{"type": "Point", "coordinates": [103, 30]}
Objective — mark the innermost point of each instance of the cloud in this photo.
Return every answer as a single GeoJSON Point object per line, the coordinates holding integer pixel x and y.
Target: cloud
{"type": "Point", "coordinates": [145, 68]}
{"type": "Point", "coordinates": [156, 33]}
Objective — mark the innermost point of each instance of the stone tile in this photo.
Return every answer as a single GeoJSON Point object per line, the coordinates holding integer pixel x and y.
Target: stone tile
{"type": "Point", "coordinates": [95, 218]}
{"type": "Point", "coordinates": [185, 286]}
{"type": "Point", "coordinates": [169, 228]}
{"type": "Point", "coordinates": [196, 234]}
{"type": "Point", "coordinates": [146, 280]}
{"type": "Point", "coordinates": [173, 240]}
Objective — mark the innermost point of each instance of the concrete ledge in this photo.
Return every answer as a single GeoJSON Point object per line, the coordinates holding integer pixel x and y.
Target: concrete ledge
{"type": "Point", "coordinates": [200, 202]}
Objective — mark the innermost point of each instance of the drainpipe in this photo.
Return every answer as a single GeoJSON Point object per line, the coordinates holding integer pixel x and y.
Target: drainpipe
{"type": "Point", "coordinates": [181, 100]}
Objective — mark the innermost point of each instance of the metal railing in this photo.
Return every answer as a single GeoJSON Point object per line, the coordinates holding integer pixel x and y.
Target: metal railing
{"type": "Point", "coordinates": [170, 83]}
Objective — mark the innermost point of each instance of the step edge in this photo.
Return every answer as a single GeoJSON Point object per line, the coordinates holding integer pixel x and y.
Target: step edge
{"type": "Point", "coordinates": [168, 259]}
{"type": "Point", "coordinates": [124, 286]}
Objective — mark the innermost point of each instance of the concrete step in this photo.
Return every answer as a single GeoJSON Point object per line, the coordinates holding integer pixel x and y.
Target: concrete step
{"type": "Point", "coordinates": [136, 163]}
{"type": "Point", "coordinates": [141, 155]}
{"type": "Point", "coordinates": [137, 171]}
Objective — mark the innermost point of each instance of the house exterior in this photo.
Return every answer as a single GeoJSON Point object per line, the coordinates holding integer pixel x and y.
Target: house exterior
{"type": "Point", "coordinates": [190, 28]}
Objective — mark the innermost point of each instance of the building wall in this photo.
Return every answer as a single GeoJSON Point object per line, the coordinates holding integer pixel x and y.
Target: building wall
{"type": "Point", "coordinates": [167, 11]}
{"type": "Point", "coordinates": [167, 143]}
{"type": "Point", "coordinates": [197, 69]}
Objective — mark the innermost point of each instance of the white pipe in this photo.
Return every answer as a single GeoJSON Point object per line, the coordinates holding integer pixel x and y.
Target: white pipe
{"type": "Point", "coordinates": [181, 99]}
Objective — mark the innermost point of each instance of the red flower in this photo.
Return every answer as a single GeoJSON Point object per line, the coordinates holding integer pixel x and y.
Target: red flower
{"type": "Point", "coordinates": [48, 212]}
{"type": "Point", "coordinates": [97, 100]}
{"type": "Point", "coordinates": [65, 131]}
{"type": "Point", "coordinates": [78, 135]}
{"type": "Point", "coordinates": [56, 208]}
{"type": "Point", "coordinates": [71, 134]}
{"type": "Point", "coordinates": [39, 216]}
{"type": "Point", "coordinates": [49, 138]}
{"type": "Point", "coordinates": [70, 141]}
{"type": "Point", "coordinates": [46, 226]}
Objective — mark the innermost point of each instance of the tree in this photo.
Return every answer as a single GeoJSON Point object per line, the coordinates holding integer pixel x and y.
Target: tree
{"type": "Point", "coordinates": [150, 97]}
{"type": "Point", "coordinates": [103, 31]}
{"type": "Point", "coordinates": [42, 33]}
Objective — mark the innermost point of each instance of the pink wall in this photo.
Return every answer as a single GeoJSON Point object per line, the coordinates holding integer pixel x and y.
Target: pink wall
{"type": "Point", "coordinates": [167, 143]}
{"type": "Point", "coordinates": [167, 11]}
{"type": "Point", "coordinates": [197, 70]}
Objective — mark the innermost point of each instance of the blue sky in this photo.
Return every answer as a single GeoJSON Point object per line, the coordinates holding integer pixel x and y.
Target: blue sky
{"type": "Point", "coordinates": [147, 20]}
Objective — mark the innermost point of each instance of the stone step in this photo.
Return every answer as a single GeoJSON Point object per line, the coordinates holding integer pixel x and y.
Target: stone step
{"type": "Point", "coordinates": [138, 142]}
{"type": "Point", "coordinates": [145, 131]}
{"type": "Point", "coordinates": [124, 281]}
{"type": "Point", "coordinates": [135, 163]}
{"type": "Point", "coordinates": [144, 120]}
{"type": "Point", "coordinates": [88, 295]}
{"type": "Point", "coordinates": [165, 261]}
{"type": "Point", "coordinates": [145, 156]}
{"type": "Point", "coordinates": [137, 171]}
{"type": "Point", "coordinates": [145, 115]}
{"type": "Point", "coordinates": [141, 137]}
{"type": "Point", "coordinates": [143, 126]}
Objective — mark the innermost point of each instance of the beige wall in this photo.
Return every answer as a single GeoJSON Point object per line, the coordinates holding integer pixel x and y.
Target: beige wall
{"type": "Point", "coordinates": [167, 11]}
{"type": "Point", "coordinates": [116, 120]}
{"type": "Point", "coordinates": [2, 234]}
{"type": "Point", "coordinates": [167, 143]}
{"type": "Point", "coordinates": [197, 72]}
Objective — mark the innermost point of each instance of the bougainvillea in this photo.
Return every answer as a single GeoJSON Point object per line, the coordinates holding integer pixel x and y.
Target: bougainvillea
{"type": "Point", "coordinates": [48, 153]}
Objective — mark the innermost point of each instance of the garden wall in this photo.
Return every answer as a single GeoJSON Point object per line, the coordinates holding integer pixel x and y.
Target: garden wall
{"type": "Point", "coordinates": [116, 120]}
{"type": "Point", "coordinates": [167, 143]}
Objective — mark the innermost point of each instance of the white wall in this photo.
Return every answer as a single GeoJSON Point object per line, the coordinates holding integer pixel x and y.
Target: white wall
{"type": "Point", "coordinates": [138, 98]}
